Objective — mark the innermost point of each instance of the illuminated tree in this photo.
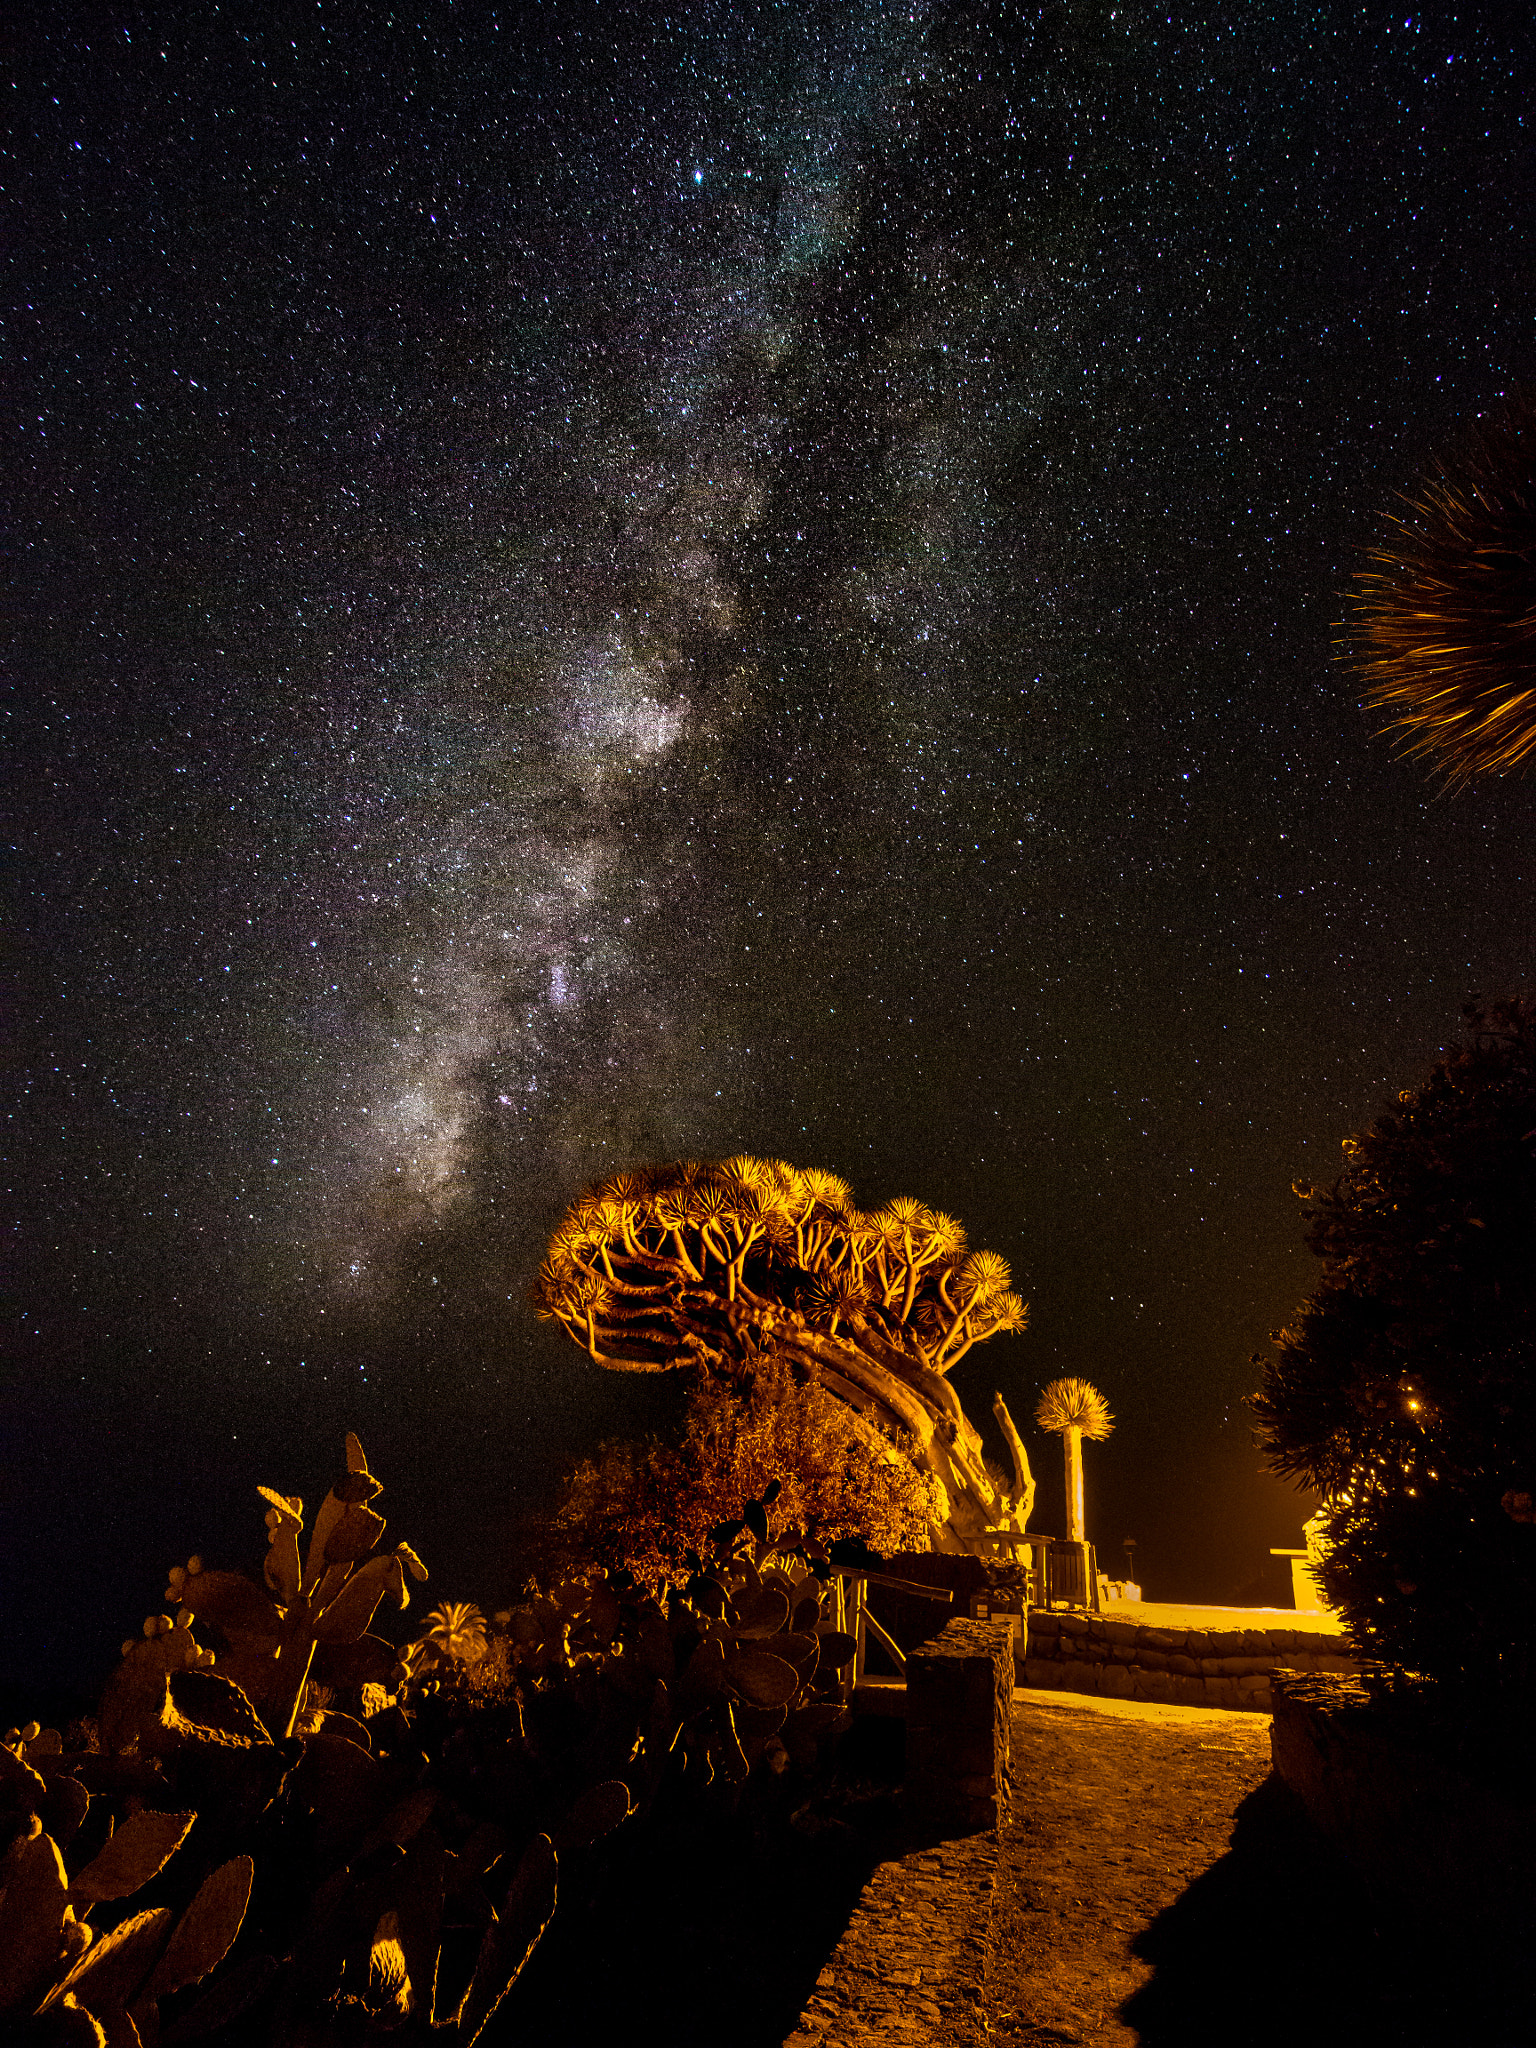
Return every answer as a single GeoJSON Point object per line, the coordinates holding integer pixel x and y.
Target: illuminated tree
{"type": "Point", "coordinates": [1073, 1409]}
{"type": "Point", "coordinates": [1444, 622]}
{"type": "Point", "coordinates": [735, 1259]}
{"type": "Point", "coordinates": [645, 1505]}
{"type": "Point", "coordinates": [1405, 1389]}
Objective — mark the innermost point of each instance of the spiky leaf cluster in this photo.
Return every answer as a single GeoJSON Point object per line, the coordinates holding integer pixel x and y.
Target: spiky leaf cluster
{"type": "Point", "coordinates": [1405, 1388]}
{"type": "Point", "coordinates": [1074, 1404]}
{"type": "Point", "coordinates": [653, 1255]}
{"type": "Point", "coordinates": [1444, 610]}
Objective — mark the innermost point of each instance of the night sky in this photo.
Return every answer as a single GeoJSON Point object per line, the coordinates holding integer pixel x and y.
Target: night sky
{"type": "Point", "coordinates": [594, 583]}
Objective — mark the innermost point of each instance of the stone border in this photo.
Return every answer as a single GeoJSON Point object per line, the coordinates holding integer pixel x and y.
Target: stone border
{"type": "Point", "coordinates": [1188, 1667]}
{"type": "Point", "coordinates": [1377, 1772]}
{"type": "Point", "coordinates": [959, 1714]}
{"type": "Point", "coordinates": [911, 1965]}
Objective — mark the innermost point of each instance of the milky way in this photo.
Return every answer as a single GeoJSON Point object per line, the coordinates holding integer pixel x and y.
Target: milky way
{"type": "Point", "coordinates": [597, 585]}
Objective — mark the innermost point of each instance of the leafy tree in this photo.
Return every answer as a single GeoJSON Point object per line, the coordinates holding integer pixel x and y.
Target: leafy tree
{"type": "Point", "coordinates": [749, 1257]}
{"type": "Point", "coordinates": [1405, 1388]}
{"type": "Point", "coordinates": [646, 1505]}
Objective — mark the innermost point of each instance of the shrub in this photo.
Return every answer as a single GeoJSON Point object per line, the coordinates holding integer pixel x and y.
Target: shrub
{"type": "Point", "coordinates": [645, 1506]}
{"type": "Point", "coordinates": [1405, 1388]}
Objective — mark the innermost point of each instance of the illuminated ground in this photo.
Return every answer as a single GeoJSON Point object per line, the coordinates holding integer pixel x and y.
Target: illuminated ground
{"type": "Point", "coordinates": [1178, 1614]}
{"type": "Point", "coordinates": [1156, 1889]}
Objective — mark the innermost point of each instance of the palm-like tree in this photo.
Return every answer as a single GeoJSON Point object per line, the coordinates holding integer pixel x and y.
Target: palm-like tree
{"type": "Point", "coordinates": [457, 1629]}
{"type": "Point", "coordinates": [733, 1258]}
{"type": "Point", "coordinates": [1074, 1409]}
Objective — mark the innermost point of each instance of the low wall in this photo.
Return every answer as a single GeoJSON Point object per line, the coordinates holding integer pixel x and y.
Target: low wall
{"type": "Point", "coordinates": [959, 1717]}
{"type": "Point", "coordinates": [1435, 1815]}
{"type": "Point", "coordinates": [913, 1620]}
{"type": "Point", "coordinates": [1189, 1667]}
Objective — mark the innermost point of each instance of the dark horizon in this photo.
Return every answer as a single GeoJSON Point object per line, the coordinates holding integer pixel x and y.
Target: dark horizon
{"type": "Point", "coordinates": [588, 590]}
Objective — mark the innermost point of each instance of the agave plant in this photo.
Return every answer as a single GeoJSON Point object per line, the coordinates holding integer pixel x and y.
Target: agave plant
{"type": "Point", "coordinates": [456, 1629]}
{"type": "Point", "coordinates": [1444, 611]}
{"type": "Point", "coordinates": [1074, 1409]}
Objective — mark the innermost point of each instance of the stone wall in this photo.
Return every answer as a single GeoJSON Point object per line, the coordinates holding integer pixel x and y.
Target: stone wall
{"type": "Point", "coordinates": [959, 1714]}
{"type": "Point", "coordinates": [1196, 1667]}
{"type": "Point", "coordinates": [909, 1972]}
{"type": "Point", "coordinates": [912, 1620]}
{"type": "Point", "coordinates": [1435, 1813]}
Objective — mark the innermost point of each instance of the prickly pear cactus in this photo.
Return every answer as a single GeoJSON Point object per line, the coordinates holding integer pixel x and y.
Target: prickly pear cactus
{"type": "Point", "coordinates": [283, 1834]}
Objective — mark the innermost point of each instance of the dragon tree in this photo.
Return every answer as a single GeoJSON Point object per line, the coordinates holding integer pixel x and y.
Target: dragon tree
{"type": "Point", "coordinates": [666, 1265]}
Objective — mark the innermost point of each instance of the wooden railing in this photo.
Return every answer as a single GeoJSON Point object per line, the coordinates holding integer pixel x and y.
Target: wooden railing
{"type": "Point", "coordinates": [851, 1615]}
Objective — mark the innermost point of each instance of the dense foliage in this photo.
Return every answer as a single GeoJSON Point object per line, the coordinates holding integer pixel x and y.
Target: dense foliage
{"type": "Point", "coordinates": [644, 1506]}
{"type": "Point", "coordinates": [745, 1258]}
{"type": "Point", "coordinates": [1405, 1388]}
{"type": "Point", "coordinates": [239, 1849]}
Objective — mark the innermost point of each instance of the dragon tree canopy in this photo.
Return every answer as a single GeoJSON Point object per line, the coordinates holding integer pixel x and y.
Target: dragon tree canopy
{"type": "Point", "coordinates": [661, 1264]}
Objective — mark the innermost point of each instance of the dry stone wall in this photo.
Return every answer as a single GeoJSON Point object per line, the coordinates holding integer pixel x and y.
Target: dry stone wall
{"type": "Point", "coordinates": [959, 1714]}
{"type": "Point", "coordinates": [910, 1970]}
{"type": "Point", "coordinates": [1434, 1809]}
{"type": "Point", "coordinates": [1195, 1667]}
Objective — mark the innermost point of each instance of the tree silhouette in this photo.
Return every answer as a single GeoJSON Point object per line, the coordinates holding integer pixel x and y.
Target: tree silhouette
{"type": "Point", "coordinates": [1404, 1390]}
{"type": "Point", "coordinates": [730, 1260]}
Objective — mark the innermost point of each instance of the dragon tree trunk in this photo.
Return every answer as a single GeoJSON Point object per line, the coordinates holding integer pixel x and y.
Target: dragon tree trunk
{"type": "Point", "coordinates": [1072, 1445]}
{"type": "Point", "coordinates": [890, 1387]}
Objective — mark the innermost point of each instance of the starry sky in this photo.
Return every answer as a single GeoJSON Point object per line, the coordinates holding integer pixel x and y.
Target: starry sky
{"type": "Point", "coordinates": [595, 583]}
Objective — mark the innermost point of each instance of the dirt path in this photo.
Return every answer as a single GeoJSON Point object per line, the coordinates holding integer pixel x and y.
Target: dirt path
{"type": "Point", "coordinates": [1157, 1888]}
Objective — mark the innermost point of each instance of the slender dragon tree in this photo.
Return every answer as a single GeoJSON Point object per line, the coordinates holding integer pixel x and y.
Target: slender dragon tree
{"type": "Point", "coordinates": [1075, 1410]}
{"type": "Point", "coordinates": [666, 1264]}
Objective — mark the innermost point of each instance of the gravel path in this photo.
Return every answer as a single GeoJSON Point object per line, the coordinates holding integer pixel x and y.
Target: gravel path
{"type": "Point", "coordinates": [1156, 1887]}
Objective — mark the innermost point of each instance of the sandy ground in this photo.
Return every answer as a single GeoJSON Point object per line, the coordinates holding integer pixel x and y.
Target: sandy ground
{"type": "Point", "coordinates": [1157, 1888]}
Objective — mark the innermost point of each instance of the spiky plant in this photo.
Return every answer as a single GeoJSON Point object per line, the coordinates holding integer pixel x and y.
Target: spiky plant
{"type": "Point", "coordinates": [1074, 1404]}
{"type": "Point", "coordinates": [1443, 613]}
{"type": "Point", "coordinates": [648, 1271]}
{"type": "Point", "coordinates": [1074, 1409]}
{"type": "Point", "coordinates": [457, 1630]}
